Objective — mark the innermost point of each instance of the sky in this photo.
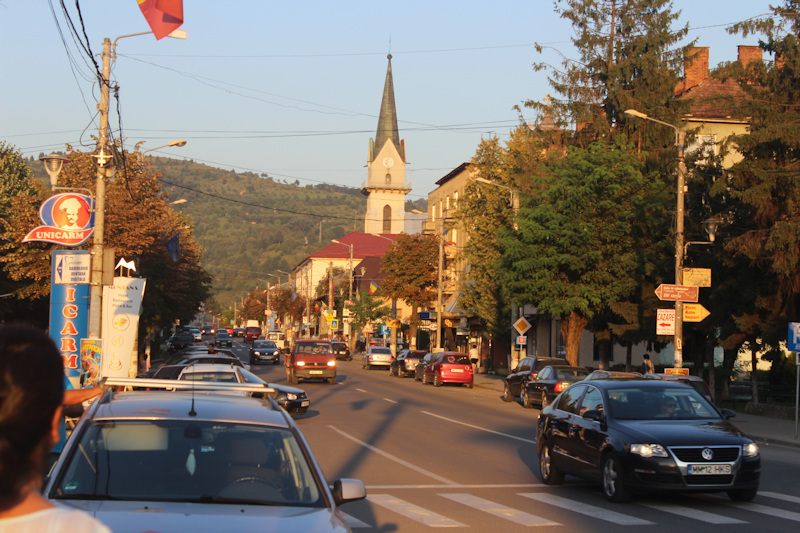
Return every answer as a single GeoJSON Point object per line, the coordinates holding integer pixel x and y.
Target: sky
{"type": "Point", "coordinates": [292, 89]}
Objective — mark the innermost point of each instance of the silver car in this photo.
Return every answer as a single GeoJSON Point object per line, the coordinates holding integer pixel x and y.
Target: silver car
{"type": "Point", "coordinates": [195, 460]}
{"type": "Point", "coordinates": [377, 356]}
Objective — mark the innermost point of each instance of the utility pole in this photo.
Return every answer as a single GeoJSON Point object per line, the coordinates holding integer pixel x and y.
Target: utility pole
{"type": "Point", "coordinates": [330, 289]}
{"type": "Point", "coordinates": [439, 289]}
{"type": "Point", "coordinates": [96, 289]}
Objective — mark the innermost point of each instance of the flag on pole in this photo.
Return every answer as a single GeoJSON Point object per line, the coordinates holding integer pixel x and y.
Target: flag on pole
{"type": "Point", "coordinates": [163, 16]}
{"type": "Point", "coordinates": [373, 287]}
{"type": "Point", "coordinates": [174, 247]}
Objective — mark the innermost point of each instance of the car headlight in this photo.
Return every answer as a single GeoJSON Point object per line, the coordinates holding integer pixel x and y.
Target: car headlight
{"type": "Point", "coordinates": [300, 363]}
{"type": "Point", "coordinates": [291, 396]}
{"type": "Point", "coordinates": [256, 353]}
{"type": "Point", "coordinates": [276, 352]}
{"type": "Point", "coordinates": [750, 449]}
{"type": "Point", "coordinates": [332, 362]}
{"type": "Point", "coordinates": [649, 450]}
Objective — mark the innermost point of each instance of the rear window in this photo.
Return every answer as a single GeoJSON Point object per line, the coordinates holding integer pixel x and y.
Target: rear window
{"type": "Point", "coordinates": [253, 329]}
{"type": "Point", "coordinates": [380, 350]}
{"type": "Point", "coordinates": [456, 360]}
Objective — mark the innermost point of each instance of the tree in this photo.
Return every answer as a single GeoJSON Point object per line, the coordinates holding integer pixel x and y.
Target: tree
{"type": "Point", "coordinates": [410, 267]}
{"type": "Point", "coordinates": [577, 247]}
{"type": "Point", "coordinates": [367, 309]}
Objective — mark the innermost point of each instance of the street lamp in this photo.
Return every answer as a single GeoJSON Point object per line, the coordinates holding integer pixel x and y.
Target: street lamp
{"type": "Point", "coordinates": [179, 143]}
{"type": "Point", "coordinates": [514, 195]}
{"type": "Point", "coordinates": [53, 164]}
{"type": "Point", "coordinates": [680, 141]}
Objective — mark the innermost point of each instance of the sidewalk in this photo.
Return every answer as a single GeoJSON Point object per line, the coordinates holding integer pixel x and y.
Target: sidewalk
{"type": "Point", "coordinates": [764, 429]}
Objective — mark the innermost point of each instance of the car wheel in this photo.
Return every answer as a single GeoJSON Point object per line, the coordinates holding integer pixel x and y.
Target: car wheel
{"type": "Point", "coordinates": [437, 380]}
{"type": "Point", "coordinates": [526, 398]}
{"type": "Point", "coordinates": [551, 475]}
{"type": "Point", "coordinates": [507, 396]}
{"type": "Point", "coordinates": [745, 495]}
{"type": "Point", "coordinates": [612, 480]}
{"type": "Point", "coordinates": [545, 402]}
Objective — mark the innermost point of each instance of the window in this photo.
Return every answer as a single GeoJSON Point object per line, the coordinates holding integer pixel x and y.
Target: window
{"type": "Point", "coordinates": [570, 399]}
{"type": "Point", "coordinates": [388, 178]}
{"type": "Point", "coordinates": [387, 219]}
{"type": "Point", "coordinates": [592, 400]}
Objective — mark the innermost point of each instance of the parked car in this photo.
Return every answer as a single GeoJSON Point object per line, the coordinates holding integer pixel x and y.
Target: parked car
{"type": "Point", "coordinates": [419, 371]}
{"type": "Point", "coordinates": [198, 335]}
{"type": "Point", "coordinates": [526, 370]}
{"type": "Point", "coordinates": [405, 364]}
{"type": "Point", "coordinates": [218, 357]}
{"type": "Point", "coordinates": [376, 356]}
{"type": "Point", "coordinates": [696, 382]}
{"type": "Point", "coordinates": [252, 333]}
{"type": "Point", "coordinates": [549, 383]}
{"type": "Point", "coordinates": [236, 463]}
{"type": "Point", "coordinates": [311, 359]}
{"type": "Point", "coordinates": [179, 341]}
{"type": "Point", "coordinates": [449, 367]}
{"type": "Point", "coordinates": [612, 374]}
{"type": "Point", "coordinates": [642, 435]}
{"type": "Point", "coordinates": [223, 338]}
{"type": "Point", "coordinates": [264, 351]}
{"type": "Point", "coordinates": [342, 351]}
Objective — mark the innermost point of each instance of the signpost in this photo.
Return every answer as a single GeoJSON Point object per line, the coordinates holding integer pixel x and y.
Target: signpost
{"type": "Point", "coordinates": [522, 325]}
{"type": "Point", "coordinates": [697, 277]}
{"type": "Point", "coordinates": [677, 293]}
{"type": "Point", "coordinates": [522, 340]}
{"type": "Point", "coordinates": [694, 313]}
{"type": "Point", "coordinates": [665, 322]}
{"type": "Point", "coordinates": [793, 345]}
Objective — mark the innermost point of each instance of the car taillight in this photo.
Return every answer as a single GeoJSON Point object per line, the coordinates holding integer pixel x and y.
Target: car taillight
{"type": "Point", "coordinates": [534, 374]}
{"type": "Point", "coordinates": [561, 386]}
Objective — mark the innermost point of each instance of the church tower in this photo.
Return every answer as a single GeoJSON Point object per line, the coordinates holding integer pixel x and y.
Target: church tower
{"type": "Point", "coordinates": [386, 186]}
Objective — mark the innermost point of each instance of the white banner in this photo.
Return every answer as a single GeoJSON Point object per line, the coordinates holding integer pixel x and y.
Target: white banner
{"type": "Point", "coordinates": [122, 304]}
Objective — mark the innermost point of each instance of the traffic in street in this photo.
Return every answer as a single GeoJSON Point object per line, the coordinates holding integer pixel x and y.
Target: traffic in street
{"type": "Point", "coordinates": [457, 457]}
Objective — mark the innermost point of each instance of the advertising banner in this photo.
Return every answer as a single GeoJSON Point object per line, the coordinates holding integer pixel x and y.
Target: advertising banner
{"type": "Point", "coordinates": [122, 304]}
{"type": "Point", "coordinates": [68, 219]}
{"type": "Point", "coordinates": [69, 313]}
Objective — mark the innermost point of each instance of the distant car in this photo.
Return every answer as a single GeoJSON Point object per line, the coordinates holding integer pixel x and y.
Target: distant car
{"type": "Point", "coordinates": [198, 335]}
{"type": "Point", "coordinates": [406, 363]}
{"type": "Point", "coordinates": [342, 351]}
{"type": "Point", "coordinates": [223, 338]}
{"type": "Point", "coordinates": [219, 357]}
{"type": "Point", "coordinates": [549, 383]}
{"type": "Point", "coordinates": [264, 351]}
{"type": "Point", "coordinates": [311, 359]}
{"type": "Point", "coordinates": [208, 330]}
{"type": "Point", "coordinates": [179, 341]}
{"type": "Point", "coordinates": [229, 329]}
{"type": "Point", "coordinates": [138, 462]}
{"type": "Point", "coordinates": [419, 370]}
{"type": "Point", "coordinates": [252, 333]}
{"type": "Point", "coordinates": [645, 435]}
{"type": "Point", "coordinates": [526, 370]}
{"type": "Point", "coordinates": [613, 374]}
{"type": "Point", "coordinates": [238, 332]}
{"type": "Point", "coordinates": [449, 367]}
{"type": "Point", "coordinates": [376, 356]}
{"type": "Point", "coordinates": [695, 382]}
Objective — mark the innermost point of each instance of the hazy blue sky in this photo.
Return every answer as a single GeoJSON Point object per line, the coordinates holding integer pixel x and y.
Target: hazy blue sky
{"type": "Point", "coordinates": [293, 88]}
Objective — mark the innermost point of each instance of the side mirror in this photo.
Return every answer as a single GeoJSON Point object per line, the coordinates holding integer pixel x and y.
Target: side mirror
{"type": "Point", "coordinates": [592, 414]}
{"type": "Point", "coordinates": [728, 413]}
{"type": "Point", "coordinates": [348, 490]}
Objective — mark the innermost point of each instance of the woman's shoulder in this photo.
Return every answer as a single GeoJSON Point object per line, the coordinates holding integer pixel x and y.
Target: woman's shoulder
{"type": "Point", "coordinates": [54, 520]}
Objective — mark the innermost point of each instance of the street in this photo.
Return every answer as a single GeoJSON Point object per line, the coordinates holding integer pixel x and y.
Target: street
{"type": "Point", "coordinates": [455, 457]}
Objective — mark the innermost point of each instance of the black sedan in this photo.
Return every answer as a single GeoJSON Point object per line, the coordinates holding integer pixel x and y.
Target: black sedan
{"type": "Point", "coordinates": [526, 370]}
{"type": "Point", "coordinates": [223, 338]}
{"type": "Point", "coordinates": [264, 351]}
{"type": "Point", "coordinates": [549, 383]}
{"type": "Point", "coordinates": [405, 364]}
{"type": "Point", "coordinates": [419, 371]}
{"type": "Point", "coordinates": [645, 435]}
{"type": "Point", "coordinates": [342, 351]}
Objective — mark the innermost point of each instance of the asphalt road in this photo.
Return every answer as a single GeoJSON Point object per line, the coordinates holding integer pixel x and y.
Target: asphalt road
{"type": "Point", "coordinates": [457, 457]}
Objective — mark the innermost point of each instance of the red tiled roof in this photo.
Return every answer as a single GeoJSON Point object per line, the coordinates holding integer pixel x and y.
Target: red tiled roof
{"type": "Point", "coordinates": [713, 98]}
{"type": "Point", "coordinates": [364, 245]}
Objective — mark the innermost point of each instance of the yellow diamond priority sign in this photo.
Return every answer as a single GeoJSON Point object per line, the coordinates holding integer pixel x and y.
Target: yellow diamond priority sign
{"type": "Point", "coordinates": [522, 325]}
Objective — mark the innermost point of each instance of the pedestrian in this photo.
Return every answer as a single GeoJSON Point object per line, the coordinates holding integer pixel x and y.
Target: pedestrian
{"type": "Point", "coordinates": [211, 348]}
{"type": "Point", "coordinates": [647, 365]}
{"type": "Point", "coordinates": [31, 399]}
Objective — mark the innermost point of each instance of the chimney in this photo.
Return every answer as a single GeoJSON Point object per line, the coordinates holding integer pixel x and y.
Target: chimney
{"type": "Point", "coordinates": [748, 54]}
{"type": "Point", "coordinates": [695, 67]}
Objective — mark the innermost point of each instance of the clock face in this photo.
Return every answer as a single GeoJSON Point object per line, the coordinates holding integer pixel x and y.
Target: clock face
{"type": "Point", "coordinates": [388, 162]}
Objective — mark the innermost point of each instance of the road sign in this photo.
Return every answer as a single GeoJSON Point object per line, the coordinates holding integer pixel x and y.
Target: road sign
{"type": "Point", "coordinates": [522, 340]}
{"type": "Point", "coordinates": [677, 293]}
{"type": "Point", "coordinates": [522, 325]}
{"type": "Point", "coordinates": [334, 324]}
{"type": "Point", "coordinates": [697, 277]}
{"type": "Point", "coordinates": [694, 313]}
{"type": "Point", "coordinates": [393, 323]}
{"type": "Point", "coordinates": [793, 341]}
{"type": "Point", "coordinates": [677, 371]}
{"type": "Point", "coordinates": [368, 328]}
{"type": "Point", "coordinates": [665, 322]}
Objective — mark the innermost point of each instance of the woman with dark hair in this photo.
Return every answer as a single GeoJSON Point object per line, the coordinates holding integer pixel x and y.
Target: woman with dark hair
{"type": "Point", "coordinates": [31, 397]}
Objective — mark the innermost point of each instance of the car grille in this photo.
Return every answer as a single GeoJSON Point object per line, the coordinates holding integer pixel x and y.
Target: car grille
{"type": "Point", "coordinates": [722, 454]}
{"type": "Point", "coordinates": [322, 364]}
{"type": "Point", "coordinates": [662, 478]}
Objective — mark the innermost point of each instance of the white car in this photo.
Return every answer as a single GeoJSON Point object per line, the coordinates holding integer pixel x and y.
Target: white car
{"type": "Point", "coordinates": [198, 335]}
{"type": "Point", "coordinates": [377, 356]}
{"type": "Point", "coordinates": [196, 460]}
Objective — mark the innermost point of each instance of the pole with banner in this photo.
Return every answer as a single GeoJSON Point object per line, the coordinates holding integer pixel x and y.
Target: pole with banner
{"type": "Point", "coordinates": [122, 304]}
{"type": "Point", "coordinates": [793, 345]}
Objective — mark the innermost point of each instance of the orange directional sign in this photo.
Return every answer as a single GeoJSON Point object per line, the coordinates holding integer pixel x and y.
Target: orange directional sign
{"type": "Point", "coordinates": [677, 293]}
{"type": "Point", "coordinates": [694, 313]}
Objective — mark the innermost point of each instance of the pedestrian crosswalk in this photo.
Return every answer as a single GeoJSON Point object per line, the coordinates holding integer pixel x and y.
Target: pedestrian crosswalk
{"type": "Point", "coordinates": [433, 509]}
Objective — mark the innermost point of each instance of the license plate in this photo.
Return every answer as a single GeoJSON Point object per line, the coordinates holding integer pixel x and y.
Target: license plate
{"type": "Point", "coordinates": [316, 372]}
{"type": "Point", "coordinates": [704, 470]}
{"type": "Point", "coordinates": [457, 370]}
{"type": "Point", "coordinates": [304, 404]}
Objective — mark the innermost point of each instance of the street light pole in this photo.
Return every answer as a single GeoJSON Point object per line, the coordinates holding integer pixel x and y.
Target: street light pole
{"type": "Point", "coordinates": [680, 141]}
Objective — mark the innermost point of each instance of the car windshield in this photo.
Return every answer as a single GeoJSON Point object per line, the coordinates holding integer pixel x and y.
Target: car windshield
{"type": "Point", "coordinates": [571, 373]}
{"type": "Point", "coordinates": [313, 347]}
{"type": "Point", "coordinates": [648, 403]}
{"type": "Point", "coordinates": [264, 344]}
{"type": "Point", "coordinates": [188, 461]}
{"type": "Point", "coordinates": [223, 333]}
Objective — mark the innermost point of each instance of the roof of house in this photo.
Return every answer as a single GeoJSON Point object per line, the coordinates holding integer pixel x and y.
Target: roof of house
{"type": "Point", "coordinates": [714, 98]}
{"type": "Point", "coordinates": [364, 245]}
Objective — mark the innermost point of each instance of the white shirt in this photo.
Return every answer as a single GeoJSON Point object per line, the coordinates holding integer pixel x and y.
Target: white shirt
{"type": "Point", "coordinates": [53, 520]}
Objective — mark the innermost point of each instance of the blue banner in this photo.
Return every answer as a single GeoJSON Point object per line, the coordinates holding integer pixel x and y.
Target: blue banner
{"type": "Point", "coordinates": [69, 316]}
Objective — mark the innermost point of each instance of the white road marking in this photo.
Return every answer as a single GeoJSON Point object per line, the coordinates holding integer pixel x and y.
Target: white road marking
{"type": "Point", "coordinates": [414, 512]}
{"type": "Point", "coordinates": [590, 510]}
{"type": "Point", "coordinates": [694, 514]}
{"type": "Point", "coordinates": [389, 400]}
{"type": "Point", "coordinates": [479, 428]}
{"type": "Point", "coordinates": [360, 390]}
{"type": "Point", "coordinates": [765, 509]}
{"type": "Point", "coordinates": [784, 497]}
{"type": "Point", "coordinates": [502, 511]}
{"type": "Point", "coordinates": [393, 458]}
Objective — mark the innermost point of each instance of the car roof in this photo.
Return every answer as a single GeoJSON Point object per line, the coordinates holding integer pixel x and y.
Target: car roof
{"type": "Point", "coordinates": [208, 367]}
{"type": "Point", "coordinates": [568, 367]}
{"type": "Point", "coordinates": [675, 377]}
{"type": "Point", "coordinates": [634, 384]}
{"type": "Point", "coordinates": [177, 405]}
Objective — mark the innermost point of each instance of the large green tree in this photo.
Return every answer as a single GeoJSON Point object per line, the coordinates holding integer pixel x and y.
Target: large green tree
{"type": "Point", "coordinates": [576, 248]}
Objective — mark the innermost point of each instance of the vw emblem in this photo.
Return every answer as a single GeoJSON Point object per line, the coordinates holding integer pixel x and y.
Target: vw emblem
{"type": "Point", "coordinates": [708, 454]}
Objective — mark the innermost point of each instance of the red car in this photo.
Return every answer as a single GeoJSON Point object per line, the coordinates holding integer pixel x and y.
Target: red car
{"type": "Point", "coordinates": [449, 367]}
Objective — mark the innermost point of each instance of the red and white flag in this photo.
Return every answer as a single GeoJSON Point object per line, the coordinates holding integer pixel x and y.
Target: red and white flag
{"type": "Point", "coordinates": [163, 16]}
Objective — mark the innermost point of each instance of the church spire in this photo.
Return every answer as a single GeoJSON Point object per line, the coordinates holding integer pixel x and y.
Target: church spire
{"type": "Point", "coordinates": [387, 120]}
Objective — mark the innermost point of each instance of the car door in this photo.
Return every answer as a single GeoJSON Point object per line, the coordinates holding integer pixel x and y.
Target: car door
{"type": "Point", "coordinates": [538, 384]}
{"type": "Point", "coordinates": [562, 431]}
{"type": "Point", "coordinates": [520, 374]}
{"type": "Point", "coordinates": [589, 436]}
